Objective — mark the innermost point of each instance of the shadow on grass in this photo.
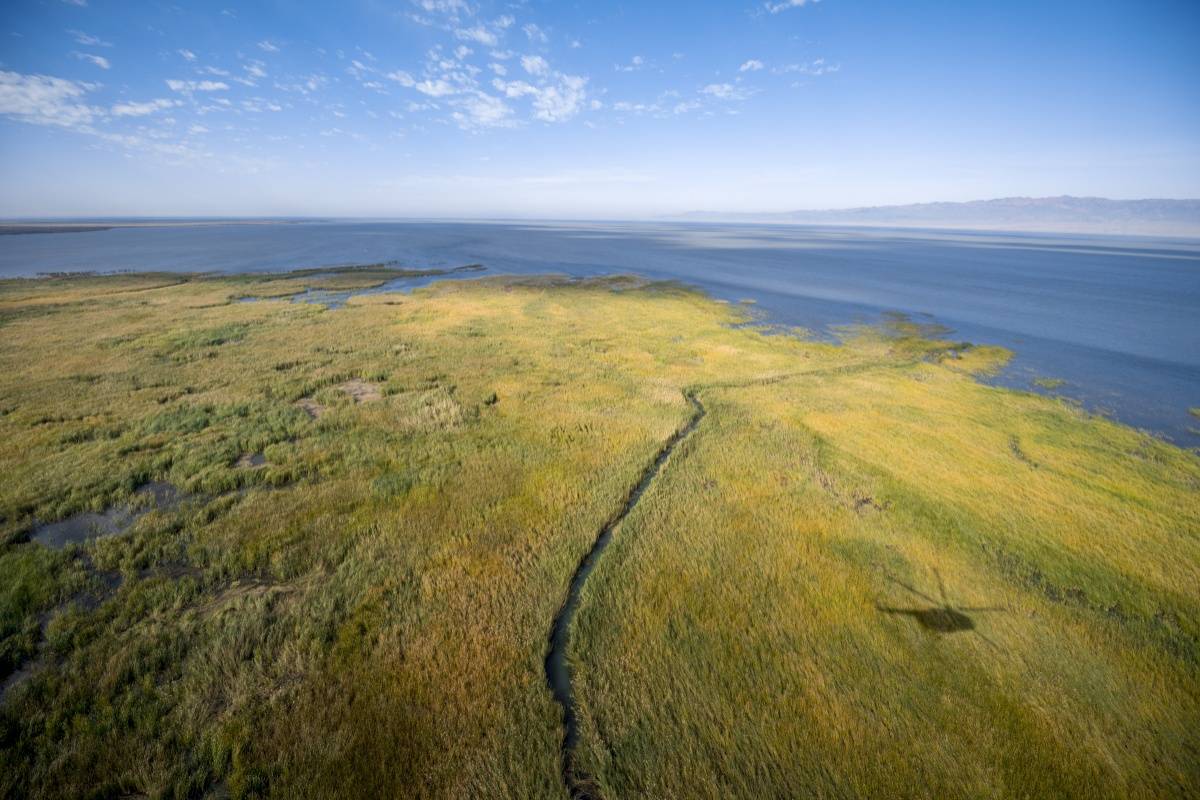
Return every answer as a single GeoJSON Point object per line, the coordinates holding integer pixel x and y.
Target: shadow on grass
{"type": "Point", "coordinates": [940, 616]}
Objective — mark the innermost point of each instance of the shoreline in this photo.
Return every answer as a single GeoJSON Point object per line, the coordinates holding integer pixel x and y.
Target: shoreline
{"type": "Point", "coordinates": [1015, 375]}
{"type": "Point", "coordinates": [24, 228]}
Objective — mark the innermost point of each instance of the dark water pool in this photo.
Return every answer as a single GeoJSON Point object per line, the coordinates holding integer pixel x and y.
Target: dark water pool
{"type": "Point", "coordinates": [88, 525]}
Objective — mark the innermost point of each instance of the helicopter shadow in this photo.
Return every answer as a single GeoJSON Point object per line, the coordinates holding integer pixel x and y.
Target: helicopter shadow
{"type": "Point", "coordinates": [939, 616]}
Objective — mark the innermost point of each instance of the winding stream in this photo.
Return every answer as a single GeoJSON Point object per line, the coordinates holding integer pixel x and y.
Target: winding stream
{"type": "Point", "coordinates": [580, 785]}
{"type": "Point", "coordinates": [558, 671]}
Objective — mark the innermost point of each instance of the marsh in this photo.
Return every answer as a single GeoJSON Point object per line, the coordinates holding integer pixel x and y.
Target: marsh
{"type": "Point", "coordinates": [1108, 320]}
{"type": "Point", "coordinates": [360, 601]}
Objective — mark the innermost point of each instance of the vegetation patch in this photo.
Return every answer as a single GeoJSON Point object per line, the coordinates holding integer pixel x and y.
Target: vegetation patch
{"type": "Point", "coordinates": [862, 571]}
{"type": "Point", "coordinates": [210, 337]}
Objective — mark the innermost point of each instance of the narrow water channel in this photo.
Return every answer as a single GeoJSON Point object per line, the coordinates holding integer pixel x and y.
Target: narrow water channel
{"type": "Point", "coordinates": [558, 672]}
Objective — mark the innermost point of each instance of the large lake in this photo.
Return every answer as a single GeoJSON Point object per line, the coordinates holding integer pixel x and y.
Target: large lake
{"type": "Point", "coordinates": [1116, 318]}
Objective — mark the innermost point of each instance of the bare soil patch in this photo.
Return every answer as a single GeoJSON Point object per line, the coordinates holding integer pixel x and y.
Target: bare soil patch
{"type": "Point", "coordinates": [362, 391]}
{"type": "Point", "coordinates": [311, 407]}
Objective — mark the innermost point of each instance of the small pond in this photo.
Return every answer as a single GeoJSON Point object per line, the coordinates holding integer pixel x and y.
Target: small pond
{"type": "Point", "coordinates": [87, 525]}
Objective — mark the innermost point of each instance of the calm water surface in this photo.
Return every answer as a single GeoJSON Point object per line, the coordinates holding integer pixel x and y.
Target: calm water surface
{"type": "Point", "coordinates": [1117, 318]}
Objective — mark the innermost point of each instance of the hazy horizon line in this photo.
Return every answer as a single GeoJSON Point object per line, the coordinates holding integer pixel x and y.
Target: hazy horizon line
{"type": "Point", "coordinates": [605, 217]}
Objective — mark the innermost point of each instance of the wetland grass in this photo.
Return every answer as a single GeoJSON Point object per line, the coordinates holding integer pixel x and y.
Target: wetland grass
{"type": "Point", "coordinates": [387, 502]}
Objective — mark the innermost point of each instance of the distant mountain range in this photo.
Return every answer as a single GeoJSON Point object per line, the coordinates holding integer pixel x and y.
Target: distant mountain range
{"type": "Point", "coordinates": [1048, 214]}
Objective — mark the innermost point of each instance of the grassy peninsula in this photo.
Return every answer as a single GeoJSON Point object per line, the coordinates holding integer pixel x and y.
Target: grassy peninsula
{"type": "Point", "coordinates": [862, 572]}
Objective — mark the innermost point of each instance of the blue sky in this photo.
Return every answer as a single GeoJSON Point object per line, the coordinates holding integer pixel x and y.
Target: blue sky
{"type": "Point", "coordinates": [589, 109]}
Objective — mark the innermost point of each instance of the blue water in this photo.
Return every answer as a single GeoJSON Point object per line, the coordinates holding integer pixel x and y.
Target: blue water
{"type": "Point", "coordinates": [1117, 318]}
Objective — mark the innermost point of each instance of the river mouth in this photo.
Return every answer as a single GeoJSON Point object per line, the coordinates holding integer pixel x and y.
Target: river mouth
{"type": "Point", "coordinates": [89, 525]}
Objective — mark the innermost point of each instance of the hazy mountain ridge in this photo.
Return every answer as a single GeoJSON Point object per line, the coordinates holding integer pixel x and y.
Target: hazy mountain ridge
{"type": "Point", "coordinates": [1061, 214]}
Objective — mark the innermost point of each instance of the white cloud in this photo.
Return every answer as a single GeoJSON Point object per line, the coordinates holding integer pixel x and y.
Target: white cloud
{"type": "Point", "coordinates": [195, 129]}
{"type": "Point", "coordinates": [266, 45]}
{"type": "Point", "coordinates": [554, 102]}
{"type": "Point", "coordinates": [255, 69]}
{"type": "Point", "coordinates": [635, 63]}
{"type": "Point", "coordinates": [558, 103]}
{"type": "Point", "coordinates": [80, 3]}
{"type": "Point", "coordinates": [258, 105]}
{"type": "Point", "coordinates": [502, 55]}
{"type": "Point", "coordinates": [435, 88]}
{"type": "Point", "coordinates": [552, 96]}
{"type": "Point", "coordinates": [443, 6]}
{"type": "Point", "coordinates": [535, 65]}
{"type": "Point", "coordinates": [307, 86]}
{"type": "Point", "coordinates": [43, 100]}
{"type": "Point", "coordinates": [753, 65]}
{"type": "Point", "coordinates": [99, 61]}
{"type": "Point", "coordinates": [514, 88]}
{"type": "Point", "coordinates": [815, 68]}
{"type": "Point", "coordinates": [196, 86]}
{"type": "Point", "coordinates": [142, 109]}
{"type": "Point", "coordinates": [462, 51]}
{"type": "Point", "coordinates": [624, 106]}
{"type": "Point", "coordinates": [726, 91]}
{"type": "Point", "coordinates": [479, 34]}
{"type": "Point", "coordinates": [481, 110]}
{"type": "Point", "coordinates": [187, 55]}
{"type": "Point", "coordinates": [784, 5]}
{"type": "Point", "coordinates": [88, 40]}
{"type": "Point", "coordinates": [535, 34]}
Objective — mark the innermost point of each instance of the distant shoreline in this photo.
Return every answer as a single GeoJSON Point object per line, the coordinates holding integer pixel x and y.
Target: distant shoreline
{"type": "Point", "coordinates": [16, 230]}
{"type": "Point", "coordinates": [1125, 230]}
{"type": "Point", "coordinates": [20, 228]}
{"type": "Point", "coordinates": [1164, 231]}
{"type": "Point", "coordinates": [1063, 214]}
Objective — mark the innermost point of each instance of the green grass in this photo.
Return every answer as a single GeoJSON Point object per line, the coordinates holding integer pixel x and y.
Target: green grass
{"type": "Point", "coordinates": [1049, 383]}
{"type": "Point", "coordinates": [366, 614]}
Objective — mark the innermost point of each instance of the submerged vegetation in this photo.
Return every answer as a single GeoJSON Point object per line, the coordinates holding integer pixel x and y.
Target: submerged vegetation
{"type": "Point", "coordinates": [862, 573]}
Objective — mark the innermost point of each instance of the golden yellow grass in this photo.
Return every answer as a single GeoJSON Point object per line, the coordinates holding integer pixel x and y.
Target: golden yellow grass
{"type": "Point", "coordinates": [366, 614]}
